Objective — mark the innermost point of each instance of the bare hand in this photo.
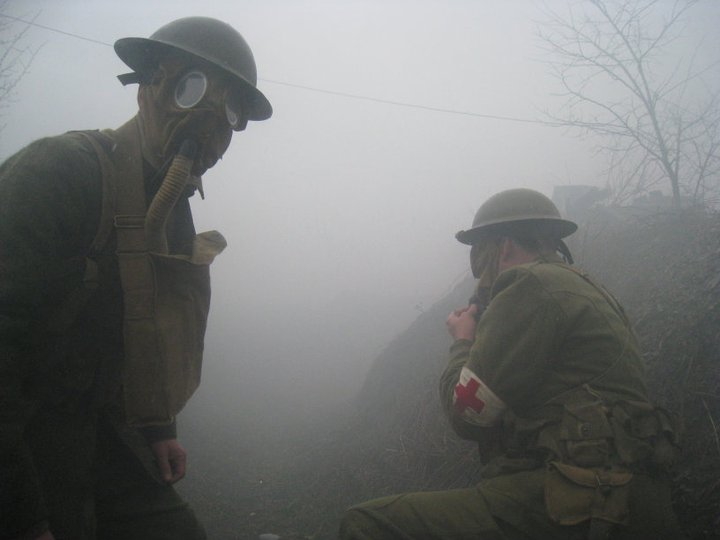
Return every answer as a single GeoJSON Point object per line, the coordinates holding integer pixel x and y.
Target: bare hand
{"type": "Point", "coordinates": [171, 459]}
{"type": "Point", "coordinates": [461, 323]}
{"type": "Point", "coordinates": [47, 535]}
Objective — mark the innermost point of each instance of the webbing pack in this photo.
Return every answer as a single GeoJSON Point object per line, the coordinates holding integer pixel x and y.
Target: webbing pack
{"type": "Point", "coordinates": [166, 297]}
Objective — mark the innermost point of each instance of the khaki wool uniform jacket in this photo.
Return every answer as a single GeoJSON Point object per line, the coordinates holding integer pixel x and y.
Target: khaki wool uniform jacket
{"type": "Point", "coordinates": [558, 353]}
{"type": "Point", "coordinates": [546, 331]}
{"type": "Point", "coordinates": [552, 390]}
{"type": "Point", "coordinates": [61, 346]}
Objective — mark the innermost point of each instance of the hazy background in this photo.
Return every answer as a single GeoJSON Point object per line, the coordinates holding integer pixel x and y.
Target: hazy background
{"type": "Point", "coordinates": [339, 212]}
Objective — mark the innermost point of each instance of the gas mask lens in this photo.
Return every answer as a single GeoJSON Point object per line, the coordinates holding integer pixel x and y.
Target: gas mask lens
{"type": "Point", "coordinates": [190, 89]}
{"type": "Point", "coordinates": [234, 106]}
{"type": "Point", "coordinates": [194, 86]}
{"type": "Point", "coordinates": [233, 118]}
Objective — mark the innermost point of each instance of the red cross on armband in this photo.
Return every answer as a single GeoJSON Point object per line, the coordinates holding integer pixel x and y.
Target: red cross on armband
{"type": "Point", "coordinates": [465, 397]}
{"type": "Point", "coordinates": [474, 402]}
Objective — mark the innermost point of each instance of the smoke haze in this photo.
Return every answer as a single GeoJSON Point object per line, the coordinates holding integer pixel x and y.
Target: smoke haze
{"type": "Point", "coordinates": [339, 211]}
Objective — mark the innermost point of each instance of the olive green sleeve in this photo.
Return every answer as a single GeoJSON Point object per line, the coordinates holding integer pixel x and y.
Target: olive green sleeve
{"type": "Point", "coordinates": [518, 338]}
{"type": "Point", "coordinates": [49, 209]}
{"type": "Point", "coordinates": [459, 355]}
{"type": "Point", "coordinates": [458, 358]}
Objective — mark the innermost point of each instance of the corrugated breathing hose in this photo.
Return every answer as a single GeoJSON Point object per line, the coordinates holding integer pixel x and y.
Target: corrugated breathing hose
{"type": "Point", "coordinates": [162, 204]}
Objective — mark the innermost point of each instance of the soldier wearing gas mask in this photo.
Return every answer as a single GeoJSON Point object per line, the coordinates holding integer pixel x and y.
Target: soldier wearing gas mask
{"type": "Point", "coordinates": [547, 377]}
{"type": "Point", "coordinates": [104, 295]}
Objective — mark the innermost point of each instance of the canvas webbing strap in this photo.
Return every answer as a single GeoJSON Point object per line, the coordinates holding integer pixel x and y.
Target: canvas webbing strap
{"type": "Point", "coordinates": [123, 209]}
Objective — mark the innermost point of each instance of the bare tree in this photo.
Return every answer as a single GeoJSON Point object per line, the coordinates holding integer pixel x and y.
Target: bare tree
{"type": "Point", "coordinates": [623, 78]}
{"type": "Point", "coordinates": [15, 57]}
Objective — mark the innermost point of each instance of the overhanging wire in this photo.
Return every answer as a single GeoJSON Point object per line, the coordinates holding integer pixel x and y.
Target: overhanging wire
{"type": "Point", "coordinates": [322, 90]}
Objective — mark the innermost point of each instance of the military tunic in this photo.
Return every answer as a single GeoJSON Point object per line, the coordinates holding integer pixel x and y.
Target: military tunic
{"type": "Point", "coordinates": [551, 349]}
{"type": "Point", "coordinates": [62, 461]}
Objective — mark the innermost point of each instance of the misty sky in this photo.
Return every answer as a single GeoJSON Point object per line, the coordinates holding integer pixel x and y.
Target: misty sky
{"type": "Point", "coordinates": [339, 212]}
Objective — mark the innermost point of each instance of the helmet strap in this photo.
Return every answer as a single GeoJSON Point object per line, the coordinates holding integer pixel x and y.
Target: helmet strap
{"type": "Point", "coordinates": [129, 78]}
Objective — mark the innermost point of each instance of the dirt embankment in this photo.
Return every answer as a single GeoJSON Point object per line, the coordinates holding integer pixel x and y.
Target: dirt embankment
{"type": "Point", "coordinates": [666, 271]}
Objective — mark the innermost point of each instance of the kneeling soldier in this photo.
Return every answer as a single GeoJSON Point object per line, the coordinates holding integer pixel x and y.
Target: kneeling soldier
{"type": "Point", "coordinates": [547, 376]}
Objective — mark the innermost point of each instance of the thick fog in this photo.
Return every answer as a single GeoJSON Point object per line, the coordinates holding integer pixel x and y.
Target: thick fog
{"type": "Point", "coordinates": [394, 121]}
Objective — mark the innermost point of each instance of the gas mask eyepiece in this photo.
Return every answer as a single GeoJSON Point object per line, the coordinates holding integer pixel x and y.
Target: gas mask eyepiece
{"type": "Point", "coordinates": [233, 117]}
{"type": "Point", "coordinates": [194, 86]}
{"type": "Point", "coordinates": [190, 89]}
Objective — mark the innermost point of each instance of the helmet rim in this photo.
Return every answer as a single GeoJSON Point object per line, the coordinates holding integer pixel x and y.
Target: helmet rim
{"type": "Point", "coordinates": [139, 54]}
{"type": "Point", "coordinates": [512, 208]}
{"type": "Point", "coordinates": [563, 227]}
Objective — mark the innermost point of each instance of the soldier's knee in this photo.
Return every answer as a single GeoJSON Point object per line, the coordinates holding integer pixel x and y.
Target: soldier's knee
{"type": "Point", "coordinates": [350, 524]}
{"type": "Point", "coordinates": [371, 520]}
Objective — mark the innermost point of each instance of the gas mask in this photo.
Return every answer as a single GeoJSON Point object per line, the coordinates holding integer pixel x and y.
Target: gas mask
{"type": "Point", "coordinates": [484, 258]}
{"type": "Point", "coordinates": [193, 104]}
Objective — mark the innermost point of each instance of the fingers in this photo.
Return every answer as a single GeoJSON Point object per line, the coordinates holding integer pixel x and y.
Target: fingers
{"type": "Point", "coordinates": [457, 312]}
{"type": "Point", "coordinates": [471, 310]}
{"type": "Point", "coordinates": [163, 462]}
{"type": "Point", "coordinates": [178, 462]}
{"type": "Point", "coordinates": [461, 323]}
{"type": "Point", "coordinates": [171, 460]}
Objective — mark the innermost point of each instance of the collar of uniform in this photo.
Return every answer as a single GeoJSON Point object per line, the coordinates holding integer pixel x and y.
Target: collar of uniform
{"type": "Point", "coordinates": [550, 258]}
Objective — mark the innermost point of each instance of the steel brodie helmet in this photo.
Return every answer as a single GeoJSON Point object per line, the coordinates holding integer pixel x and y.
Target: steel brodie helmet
{"type": "Point", "coordinates": [208, 39]}
{"type": "Point", "coordinates": [513, 208]}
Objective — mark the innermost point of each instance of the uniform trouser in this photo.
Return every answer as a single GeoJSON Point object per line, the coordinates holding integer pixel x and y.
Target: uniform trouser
{"type": "Point", "coordinates": [509, 507]}
{"type": "Point", "coordinates": [95, 487]}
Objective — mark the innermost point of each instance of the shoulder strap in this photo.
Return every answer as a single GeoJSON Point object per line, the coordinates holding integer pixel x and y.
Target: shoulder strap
{"type": "Point", "coordinates": [123, 210]}
{"type": "Point", "coordinates": [122, 176]}
{"type": "Point", "coordinates": [123, 193]}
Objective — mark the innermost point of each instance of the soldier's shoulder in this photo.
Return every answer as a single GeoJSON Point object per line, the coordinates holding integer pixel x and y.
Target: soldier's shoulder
{"type": "Point", "coordinates": [558, 277]}
{"type": "Point", "coordinates": [68, 152]}
{"type": "Point", "coordinates": [67, 144]}
{"type": "Point", "coordinates": [52, 167]}
{"type": "Point", "coordinates": [520, 277]}
{"type": "Point", "coordinates": [537, 269]}
{"type": "Point", "coordinates": [550, 275]}
{"type": "Point", "coordinates": [550, 269]}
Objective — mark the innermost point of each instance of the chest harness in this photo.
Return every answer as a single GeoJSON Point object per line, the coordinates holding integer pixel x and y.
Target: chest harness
{"type": "Point", "coordinates": [166, 297]}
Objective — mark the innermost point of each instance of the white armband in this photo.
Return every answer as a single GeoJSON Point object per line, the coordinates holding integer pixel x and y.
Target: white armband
{"type": "Point", "coordinates": [475, 402]}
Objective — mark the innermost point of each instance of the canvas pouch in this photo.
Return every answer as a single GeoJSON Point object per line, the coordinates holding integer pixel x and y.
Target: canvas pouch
{"type": "Point", "coordinates": [575, 494]}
